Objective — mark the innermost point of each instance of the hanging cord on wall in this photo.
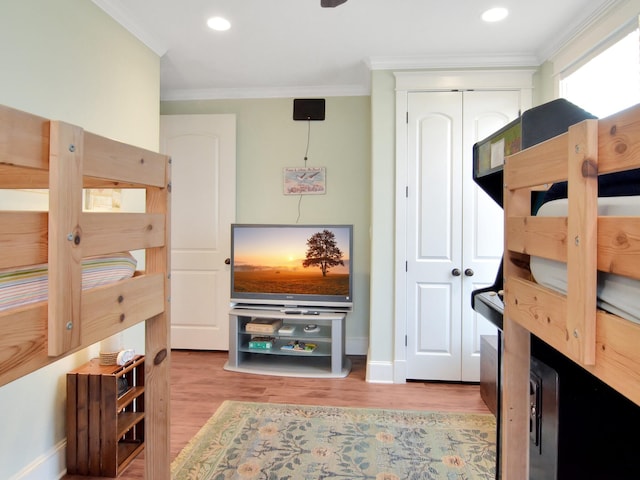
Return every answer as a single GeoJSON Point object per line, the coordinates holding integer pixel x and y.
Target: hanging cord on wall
{"type": "Point", "coordinates": [306, 157]}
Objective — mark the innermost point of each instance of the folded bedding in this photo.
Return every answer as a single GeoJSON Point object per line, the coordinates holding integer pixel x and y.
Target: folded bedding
{"type": "Point", "coordinates": [616, 294]}
{"type": "Point", "coordinates": [26, 285]}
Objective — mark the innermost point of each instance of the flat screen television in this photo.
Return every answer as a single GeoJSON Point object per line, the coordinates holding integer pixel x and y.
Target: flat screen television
{"type": "Point", "coordinates": [294, 266]}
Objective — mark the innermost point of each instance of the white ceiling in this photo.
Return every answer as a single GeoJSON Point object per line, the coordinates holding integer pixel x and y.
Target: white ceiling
{"type": "Point", "coordinates": [294, 47]}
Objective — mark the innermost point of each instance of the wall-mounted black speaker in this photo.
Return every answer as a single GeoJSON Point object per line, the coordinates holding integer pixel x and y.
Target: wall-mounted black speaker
{"type": "Point", "coordinates": [308, 108]}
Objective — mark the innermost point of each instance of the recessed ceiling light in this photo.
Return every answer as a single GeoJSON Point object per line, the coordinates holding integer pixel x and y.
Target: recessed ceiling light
{"type": "Point", "coordinates": [219, 24]}
{"type": "Point", "coordinates": [495, 14]}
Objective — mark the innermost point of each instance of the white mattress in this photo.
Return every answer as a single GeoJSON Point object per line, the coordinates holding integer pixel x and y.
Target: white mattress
{"type": "Point", "coordinates": [616, 294]}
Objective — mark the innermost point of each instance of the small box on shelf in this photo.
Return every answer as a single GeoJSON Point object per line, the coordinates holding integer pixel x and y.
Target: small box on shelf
{"type": "Point", "coordinates": [287, 330]}
{"type": "Point", "coordinates": [261, 342]}
{"type": "Point", "coordinates": [263, 325]}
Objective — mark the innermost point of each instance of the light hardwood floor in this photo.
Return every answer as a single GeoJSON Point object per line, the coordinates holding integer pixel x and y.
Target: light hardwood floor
{"type": "Point", "coordinates": [199, 384]}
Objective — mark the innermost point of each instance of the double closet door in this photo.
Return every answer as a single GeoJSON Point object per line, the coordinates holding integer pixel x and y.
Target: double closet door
{"type": "Point", "coordinates": [454, 231]}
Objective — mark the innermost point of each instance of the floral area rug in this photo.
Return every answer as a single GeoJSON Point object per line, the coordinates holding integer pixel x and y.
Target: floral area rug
{"type": "Point", "coordinates": [245, 440]}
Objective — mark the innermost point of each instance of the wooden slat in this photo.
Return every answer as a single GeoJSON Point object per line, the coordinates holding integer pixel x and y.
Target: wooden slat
{"type": "Point", "coordinates": [619, 245]}
{"type": "Point", "coordinates": [158, 351]}
{"type": "Point", "coordinates": [22, 177]}
{"type": "Point", "coordinates": [516, 357]}
{"type": "Point", "coordinates": [84, 424]}
{"type": "Point", "coordinates": [108, 426]}
{"type": "Point", "coordinates": [23, 341]}
{"type": "Point", "coordinates": [618, 149]}
{"type": "Point", "coordinates": [72, 412]}
{"type": "Point", "coordinates": [618, 241]}
{"type": "Point", "coordinates": [95, 425]}
{"type": "Point", "coordinates": [24, 139]}
{"type": "Point", "coordinates": [65, 237]}
{"type": "Point", "coordinates": [23, 238]}
{"type": "Point", "coordinates": [540, 236]}
{"type": "Point", "coordinates": [114, 232]}
{"type": "Point", "coordinates": [619, 141]}
{"type": "Point", "coordinates": [112, 308]}
{"type": "Point", "coordinates": [32, 178]}
{"type": "Point", "coordinates": [23, 235]}
{"type": "Point", "coordinates": [540, 310]}
{"type": "Point", "coordinates": [109, 159]}
{"type": "Point", "coordinates": [582, 245]}
{"type": "Point", "coordinates": [514, 457]}
{"type": "Point", "coordinates": [618, 355]}
{"type": "Point", "coordinates": [543, 164]}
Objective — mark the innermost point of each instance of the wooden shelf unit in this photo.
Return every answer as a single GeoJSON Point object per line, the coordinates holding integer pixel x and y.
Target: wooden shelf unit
{"type": "Point", "coordinates": [105, 427]}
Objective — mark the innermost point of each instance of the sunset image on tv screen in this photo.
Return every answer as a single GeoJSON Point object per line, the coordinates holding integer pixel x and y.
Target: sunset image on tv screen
{"type": "Point", "coordinates": [294, 260]}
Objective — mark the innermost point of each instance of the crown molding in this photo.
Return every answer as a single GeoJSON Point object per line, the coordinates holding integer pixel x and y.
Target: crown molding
{"type": "Point", "coordinates": [151, 41]}
{"type": "Point", "coordinates": [452, 61]}
{"type": "Point", "coordinates": [267, 92]}
{"type": "Point", "coordinates": [579, 27]}
{"type": "Point", "coordinates": [439, 79]}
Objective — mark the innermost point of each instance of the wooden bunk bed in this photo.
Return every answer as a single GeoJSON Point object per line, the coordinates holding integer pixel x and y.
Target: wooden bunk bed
{"type": "Point", "coordinates": [602, 343]}
{"type": "Point", "coordinates": [37, 153]}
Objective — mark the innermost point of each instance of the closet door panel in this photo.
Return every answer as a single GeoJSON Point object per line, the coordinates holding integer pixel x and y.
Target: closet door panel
{"type": "Point", "coordinates": [434, 235]}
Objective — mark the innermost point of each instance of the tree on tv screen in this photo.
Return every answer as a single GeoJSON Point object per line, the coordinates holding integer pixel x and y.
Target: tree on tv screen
{"type": "Point", "coordinates": [323, 252]}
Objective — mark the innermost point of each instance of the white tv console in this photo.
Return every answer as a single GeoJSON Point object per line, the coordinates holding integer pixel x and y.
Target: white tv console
{"type": "Point", "coordinates": [327, 360]}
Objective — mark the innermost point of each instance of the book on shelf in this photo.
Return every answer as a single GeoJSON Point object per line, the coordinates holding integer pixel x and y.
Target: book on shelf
{"type": "Point", "coordinates": [287, 329]}
{"type": "Point", "coordinates": [261, 342]}
{"type": "Point", "coordinates": [298, 346]}
{"type": "Point", "coordinates": [263, 325]}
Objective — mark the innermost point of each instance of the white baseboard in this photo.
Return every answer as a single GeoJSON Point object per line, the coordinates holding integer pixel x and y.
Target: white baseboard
{"type": "Point", "coordinates": [50, 465]}
{"type": "Point", "coordinates": [400, 371]}
{"type": "Point", "coordinates": [379, 372]}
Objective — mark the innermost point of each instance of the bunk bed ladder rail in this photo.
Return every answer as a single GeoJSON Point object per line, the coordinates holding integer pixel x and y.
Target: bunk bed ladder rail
{"type": "Point", "coordinates": [572, 156]}
{"type": "Point", "coordinates": [65, 237]}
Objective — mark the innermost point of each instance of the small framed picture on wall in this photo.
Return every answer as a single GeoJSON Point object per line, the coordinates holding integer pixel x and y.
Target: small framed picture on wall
{"type": "Point", "coordinates": [305, 181]}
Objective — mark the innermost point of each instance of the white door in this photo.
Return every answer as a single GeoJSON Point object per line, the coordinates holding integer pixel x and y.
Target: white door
{"type": "Point", "coordinates": [203, 154]}
{"type": "Point", "coordinates": [434, 235]}
{"type": "Point", "coordinates": [483, 238]}
{"type": "Point", "coordinates": [454, 230]}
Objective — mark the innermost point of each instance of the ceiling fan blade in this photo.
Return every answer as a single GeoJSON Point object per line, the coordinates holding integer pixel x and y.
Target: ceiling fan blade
{"type": "Point", "coordinates": [331, 3]}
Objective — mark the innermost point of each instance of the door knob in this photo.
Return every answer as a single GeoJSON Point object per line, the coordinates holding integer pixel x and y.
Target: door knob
{"type": "Point", "coordinates": [227, 261]}
{"type": "Point", "coordinates": [469, 272]}
{"type": "Point", "coordinates": [455, 272]}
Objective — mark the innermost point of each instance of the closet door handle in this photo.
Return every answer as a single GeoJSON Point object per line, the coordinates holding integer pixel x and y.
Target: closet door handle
{"type": "Point", "coordinates": [469, 272]}
{"type": "Point", "coordinates": [455, 272]}
{"type": "Point", "coordinates": [227, 261]}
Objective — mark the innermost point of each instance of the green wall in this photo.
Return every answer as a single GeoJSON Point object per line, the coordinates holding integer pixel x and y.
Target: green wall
{"type": "Point", "coordinates": [383, 178]}
{"type": "Point", "coordinates": [268, 140]}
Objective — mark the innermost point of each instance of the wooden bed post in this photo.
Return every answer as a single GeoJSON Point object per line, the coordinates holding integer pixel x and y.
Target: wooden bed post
{"type": "Point", "coordinates": [65, 237]}
{"type": "Point", "coordinates": [515, 362]}
{"type": "Point", "coordinates": [582, 233]}
{"type": "Point", "coordinates": [158, 348]}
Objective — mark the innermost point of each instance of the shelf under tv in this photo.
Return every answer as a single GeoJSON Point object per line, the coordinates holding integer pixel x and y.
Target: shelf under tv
{"type": "Point", "coordinates": [327, 360]}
